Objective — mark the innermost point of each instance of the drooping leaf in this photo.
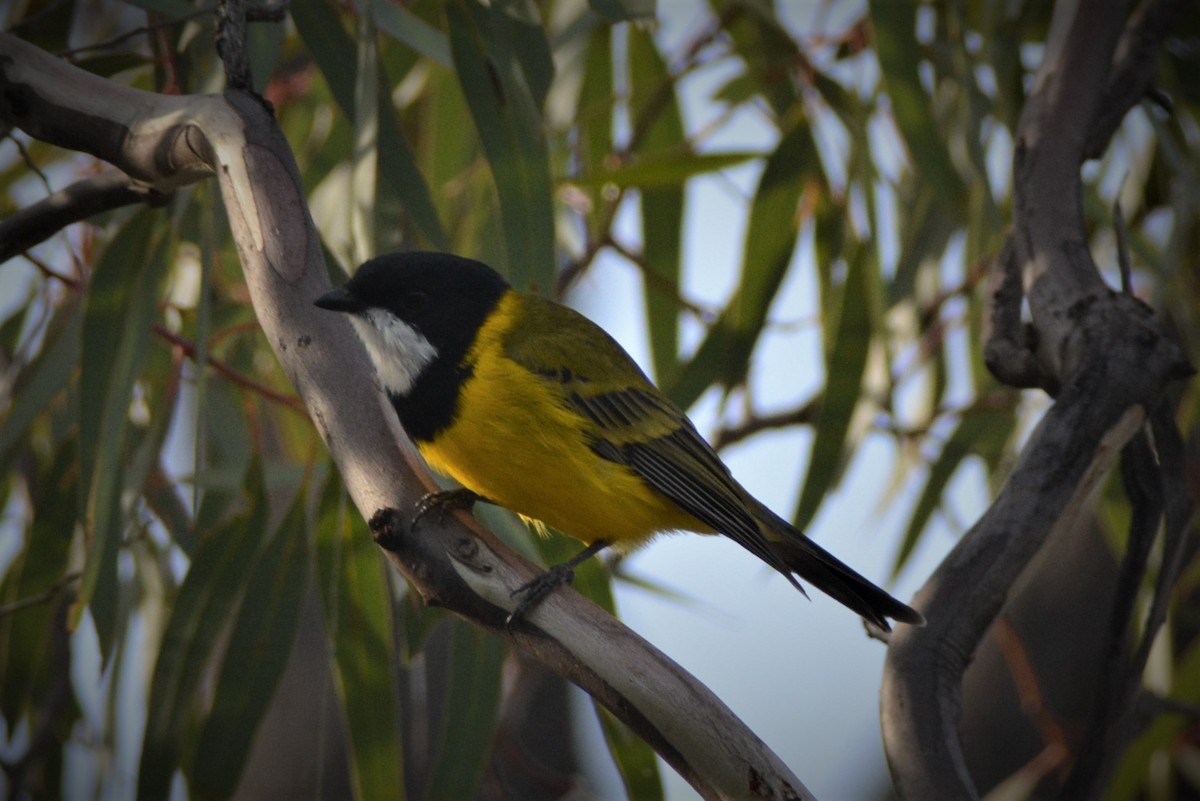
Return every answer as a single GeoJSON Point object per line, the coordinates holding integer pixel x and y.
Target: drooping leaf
{"type": "Point", "coordinates": [469, 713]}
{"type": "Point", "coordinates": [509, 122]}
{"type": "Point", "coordinates": [121, 306]}
{"type": "Point", "coordinates": [664, 170]}
{"type": "Point", "coordinates": [770, 241]}
{"type": "Point", "coordinates": [255, 657]}
{"type": "Point", "coordinates": [844, 371]}
{"type": "Point", "coordinates": [623, 10]}
{"type": "Point", "coordinates": [657, 117]}
{"type": "Point", "coordinates": [407, 28]}
{"type": "Point", "coordinates": [357, 608]}
{"type": "Point", "coordinates": [42, 379]}
{"type": "Point", "coordinates": [334, 53]}
{"type": "Point", "coordinates": [27, 647]}
{"type": "Point", "coordinates": [982, 430]}
{"type": "Point", "coordinates": [635, 760]}
{"type": "Point", "coordinates": [893, 26]}
{"type": "Point", "coordinates": [222, 568]}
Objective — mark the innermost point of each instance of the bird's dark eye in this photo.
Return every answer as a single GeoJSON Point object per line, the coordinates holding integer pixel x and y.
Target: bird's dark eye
{"type": "Point", "coordinates": [412, 302]}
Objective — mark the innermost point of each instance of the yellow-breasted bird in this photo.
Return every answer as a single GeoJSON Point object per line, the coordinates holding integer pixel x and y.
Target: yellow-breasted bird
{"type": "Point", "coordinates": [530, 405]}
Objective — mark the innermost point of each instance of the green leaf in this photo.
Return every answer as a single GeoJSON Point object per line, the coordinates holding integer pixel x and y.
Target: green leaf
{"type": "Point", "coordinates": [357, 607]}
{"type": "Point", "coordinates": [636, 761]}
{"type": "Point", "coordinates": [409, 29]}
{"type": "Point", "coordinates": [227, 443]}
{"type": "Point", "coordinates": [1161, 738]}
{"type": "Point", "coordinates": [509, 123]}
{"type": "Point", "coordinates": [469, 712]}
{"type": "Point", "coordinates": [844, 370]}
{"type": "Point", "coordinates": [982, 430]}
{"type": "Point", "coordinates": [623, 10]}
{"type": "Point", "coordinates": [771, 235]}
{"type": "Point", "coordinates": [42, 379]}
{"type": "Point", "coordinates": [255, 658]}
{"type": "Point", "coordinates": [223, 566]}
{"type": "Point", "coordinates": [925, 229]}
{"type": "Point", "coordinates": [334, 53]}
{"type": "Point", "coordinates": [893, 26]}
{"type": "Point", "coordinates": [27, 634]}
{"type": "Point", "coordinates": [764, 45]}
{"type": "Point", "coordinates": [121, 307]}
{"type": "Point", "coordinates": [662, 170]}
{"type": "Point", "coordinates": [655, 110]}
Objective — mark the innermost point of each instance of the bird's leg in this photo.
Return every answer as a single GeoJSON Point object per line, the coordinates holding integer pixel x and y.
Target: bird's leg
{"type": "Point", "coordinates": [443, 502]}
{"type": "Point", "coordinates": [534, 592]}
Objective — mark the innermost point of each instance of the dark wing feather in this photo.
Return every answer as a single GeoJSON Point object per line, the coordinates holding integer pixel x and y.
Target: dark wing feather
{"type": "Point", "coordinates": [679, 463]}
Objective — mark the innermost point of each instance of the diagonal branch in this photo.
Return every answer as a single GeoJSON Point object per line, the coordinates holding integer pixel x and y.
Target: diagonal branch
{"type": "Point", "coordinates": [108, 190]}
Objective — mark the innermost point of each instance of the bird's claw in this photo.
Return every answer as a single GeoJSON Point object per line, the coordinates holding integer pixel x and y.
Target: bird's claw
{"type": "Point", "coordinates": [442, 503]}
{"type": "Point", "coordinates": [533, 592]}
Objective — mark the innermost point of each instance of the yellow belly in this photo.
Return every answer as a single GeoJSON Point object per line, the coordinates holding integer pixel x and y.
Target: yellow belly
{"type": "Point", "coordinates": [515, 444]}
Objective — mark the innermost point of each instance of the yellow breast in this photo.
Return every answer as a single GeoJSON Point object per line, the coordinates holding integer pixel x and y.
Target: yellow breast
{"type": "Point", "coordinates": [516, 441]}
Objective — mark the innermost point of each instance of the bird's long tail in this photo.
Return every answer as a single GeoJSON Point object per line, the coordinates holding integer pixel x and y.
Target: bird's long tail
{"type": "Point", "coordinates": [830, 575]}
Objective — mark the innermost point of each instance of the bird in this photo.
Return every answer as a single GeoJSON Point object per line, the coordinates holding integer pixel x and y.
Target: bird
{"type": "Point", "coordinates": [528, 404]}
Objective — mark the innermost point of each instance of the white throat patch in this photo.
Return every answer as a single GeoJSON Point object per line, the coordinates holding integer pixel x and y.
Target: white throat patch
{"type": "Point", "coordinates": [399, 352]}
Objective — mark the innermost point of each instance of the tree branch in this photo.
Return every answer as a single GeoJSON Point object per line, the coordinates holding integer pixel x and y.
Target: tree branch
{"type": "Point", "coordinates": [1104, 351]}
{"type": "Point", "coordinates": [108, 190]}
{"type": "Point", "coordinates": [1133, 70]}
{"type": "Point", "coordinates": [454, 562]}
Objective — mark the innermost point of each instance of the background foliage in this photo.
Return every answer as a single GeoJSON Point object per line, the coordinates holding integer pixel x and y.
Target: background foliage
{"type": "Point", "coordinates": [172, 527]}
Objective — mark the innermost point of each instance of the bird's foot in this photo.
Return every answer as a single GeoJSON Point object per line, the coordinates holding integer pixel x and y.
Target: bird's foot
{"type": "Point", "coordinates": [532, 593]}
{"type": "Point", "coordinates": [442, 503]}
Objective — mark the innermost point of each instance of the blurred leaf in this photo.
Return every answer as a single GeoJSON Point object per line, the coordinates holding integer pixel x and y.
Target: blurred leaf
{"type": "Point", "coordinates": [369, 99]}
{"type": "Point", "coordinates": [357, 607]}
{"type": "Point", "coordinates": [844, 370]}
{"type": "Point", "coordinates": [42, 379]}
{"type": "Point", "coordinates": [222, 568]}
{"type": "Point", "coordinates": [660, 170]}
{"type": "Point", "coordinates": [121, 306]}
{"type": "Point", "coordinates": [519, 23]}
{"type": "Point", "coordinates": [409, 29]}
{"type": "Point", "coordinates": [26, 634]}
{"type": "Point", "coordinates": [636, 761]}
{"type": "Point", "coordinates": [982, 430]}
{"type": "Point", "coordinates": [893, 26]}
{"type": "Point", "coordinates": [255, 658]}
{"type": "Point", "coordinates": [171, 9]}
{"type": "Point", "coordinates": [622, 10]}
{"type": "Point", "coordinates": [509, 123]}
{"type": "Point", "coordinates": [597, 101]}
{"type": "Point", "coordinates": [925, 228]}
{"type": "Point", "coordinates": [724, 354]}
{"type": "Point", "coordinates": [766, 48]}
{"type": "Point", "coordinates": [1164, 735]}
{"type": "Point", "coordinates": [657, 116]}
{"type": "Point", "coordinates": [472, 684]}
{"type": "Point", "coordinates": [228, 446]}
{"type": "Point", "coordinates": [334, 52]}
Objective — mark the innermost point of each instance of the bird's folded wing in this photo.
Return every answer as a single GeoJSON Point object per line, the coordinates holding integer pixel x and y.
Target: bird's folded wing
{"type": "Point", "coordinates": [655, 439]}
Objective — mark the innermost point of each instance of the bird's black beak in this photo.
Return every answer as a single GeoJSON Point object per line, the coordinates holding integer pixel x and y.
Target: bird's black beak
{"type": "Point", "coordinates": [339, 300]}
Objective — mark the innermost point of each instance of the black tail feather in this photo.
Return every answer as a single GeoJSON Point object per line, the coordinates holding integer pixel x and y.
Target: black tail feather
{"type": "Point", "coordinates": [830, 575]}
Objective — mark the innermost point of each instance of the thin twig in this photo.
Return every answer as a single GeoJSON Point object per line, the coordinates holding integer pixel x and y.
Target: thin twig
{"type": "Point", "coordinates": [188, 347]}
{"type": "Point", "coordinates": [40, 598]}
